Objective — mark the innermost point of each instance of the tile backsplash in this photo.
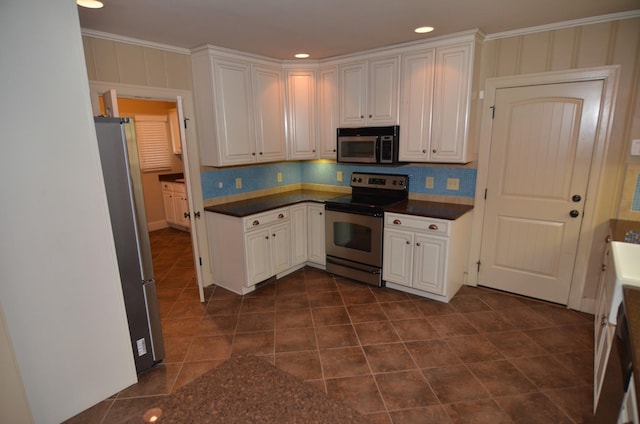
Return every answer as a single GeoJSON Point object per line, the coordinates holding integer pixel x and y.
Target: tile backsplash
{"type": "Point", "coordinates": [224, 181]}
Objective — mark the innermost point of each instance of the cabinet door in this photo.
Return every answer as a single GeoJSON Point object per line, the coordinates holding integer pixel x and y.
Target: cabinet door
{"type": "Point", "coordinates": [316, 234]}
{"type": "Point", "coordinates": [382, 93]}
{"type": "Point", "coordinates": [280, 238]}
{"type": "Point", "coordinates": [397, 260]}
{"type": "Point", "coordinates": [301, 113]}
{"type": "Point", "coordinates": [258, 256]}
{"type": "Point", "coordinates": [328, 111]}
{"type": "Point", "coordinates": [452, 92]}
{"type": "Point", "coordinates": [430, 262]}
{"type": "Point", "coordinates": [353, 94]}
{"type": "Point", "coordinates": [169, 208]}
{"type": "Point", "coordinates": [181, 207]}
{"type": "Point", "coordinates": [234, 111]}
{"type": "Point", "coordinates": [298, 219]}
{"type": "Point", "coordinates": [268, 93]}
{"type": "Point", "coordinates": [415, 108]}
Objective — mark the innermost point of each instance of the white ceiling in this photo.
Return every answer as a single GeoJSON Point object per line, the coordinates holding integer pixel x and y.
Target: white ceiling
{"type": "Point", "coordinates": [325, 28]}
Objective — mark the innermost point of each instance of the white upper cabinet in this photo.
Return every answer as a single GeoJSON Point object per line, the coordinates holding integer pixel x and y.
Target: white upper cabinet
{"type": "Point", "coordinates": [240, 106]}
{"type": "Point", "coordinates": [369, 92]}
{"type": "Point", "coordinates": [435, 104]}
{"type": "Point", "coordinates": [327, 111]}
{"type": "Point", "coordinates": [301, 114]}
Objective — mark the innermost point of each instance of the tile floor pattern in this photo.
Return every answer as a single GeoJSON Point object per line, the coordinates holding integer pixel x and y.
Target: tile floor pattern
{"type": "Point", "coordinates": [486, 357]}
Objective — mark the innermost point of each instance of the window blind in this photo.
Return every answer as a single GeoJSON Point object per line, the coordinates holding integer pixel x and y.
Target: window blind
{"type": "Point", "coordinates": [152, 134]}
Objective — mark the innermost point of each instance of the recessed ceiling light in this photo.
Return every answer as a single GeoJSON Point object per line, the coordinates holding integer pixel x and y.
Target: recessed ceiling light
{"type": "Point", "coordinates": [423, 30]}
{"type": "Point", "coordinates": [301, 55]}
{"type": "Point", "coordinates": [91, 4]}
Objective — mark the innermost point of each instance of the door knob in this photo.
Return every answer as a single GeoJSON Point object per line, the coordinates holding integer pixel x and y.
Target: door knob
{"type": "Point", "coordinates": [576, 198]}
{"type": "Point", "coordinates": [574, 213]}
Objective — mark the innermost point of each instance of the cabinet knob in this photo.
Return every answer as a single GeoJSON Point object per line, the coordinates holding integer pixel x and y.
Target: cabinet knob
{"type": "Point", "coordinates": [434, 151]}
{"type": "Point", "coordinates": [361, 116]}
{"type": "Point", "coordinates": [433, 227]}
{"type": "Point", "coordinates": [261, 153]}
{"type": "Point", "coordinates": [397, 221]}
{"type": "Point", "coordinates": [256, 222]}
{"type": "Point", "coordinates": [370, 116]}
{"type": "Point", "coordinates": [314, 150]}
{"type": "Point", "coordinates": [334, 150]}
{"type": "Point", "coordinates": [266, 237]}
{"type": "Point", "coordinates": [187, 215]}
{"type": "Point", "coordinates": [320, 214]}
{"type": "Point", "coordinates": [273, 235]}
{"type": "Point", "coordinates": [604, 267]}
{"type": "Point", "coordinates": [253, 153]}
{"type": "Point", "coordinates": [408, 242]}
{"type": "Point", "coordinates": [424, 150]}
{"type": "Point", "coordinates": [608, 239]}
{"type": "Point", "coordinates": [574, 213]}
{"type": "Point", "coordinates": [603, 320]}
{"type": "Point", "coordinates": [418, 244]}
{"type": "Point", "coordinates": [280, 216]}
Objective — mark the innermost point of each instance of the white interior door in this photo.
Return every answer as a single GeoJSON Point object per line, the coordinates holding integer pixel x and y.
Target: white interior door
{"type": "Point", "coordinates": [541, 149]}
{"type": "Point", "coordinates": [194, 212]}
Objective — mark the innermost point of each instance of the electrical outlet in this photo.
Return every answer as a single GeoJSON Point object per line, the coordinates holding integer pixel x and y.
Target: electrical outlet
{"type": "Point", "coordinates": [428, 183]}
{"type": "Point", "coordinates": [453, 184]}
{"type": "Point", "coordinates": [238, 183]}
{"type": "Point", "coordinates": [142, 347]}
{"type": "Point", "coordinates": [220, 185]}
{"type": "Point", "coordinates": [339, 176]}
{"type": "Point", "coordinates": [279, 177]}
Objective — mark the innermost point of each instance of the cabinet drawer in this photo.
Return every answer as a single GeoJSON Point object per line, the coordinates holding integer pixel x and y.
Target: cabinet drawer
{"type": "Point", "coordinates": [175, 187]}
{"type": "Point", "coordinates": [260, 220]}
{"type": "Point", "coordinates": [409, 222]}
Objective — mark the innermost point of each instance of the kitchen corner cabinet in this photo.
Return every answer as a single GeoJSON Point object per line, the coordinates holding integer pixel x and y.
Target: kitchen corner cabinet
{"type": "Point", "coordinates": [425, 256]}
{"type": "Point", "coordinates": [246, 251]}
{"type": "Point", "coordinates": [327, 111]}
{"type": "Point", "coordinates": [435, 104]}
{"type": "Point", "coordinates": [174, 199]}
{"type": "Point", "coordinates": [299, 222]}
{"type": "Point", "coordinates": [369, 92]}
{"type": "Point", "coordinates": [241, 109]}
{"type": "Point", "coordinates": [301, 114]}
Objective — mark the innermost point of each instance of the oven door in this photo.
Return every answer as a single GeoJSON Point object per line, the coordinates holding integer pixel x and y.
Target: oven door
{"type": "Point", "coordinates": [358, 149]}
{"type": "Point", "coordinates": [354, 237]}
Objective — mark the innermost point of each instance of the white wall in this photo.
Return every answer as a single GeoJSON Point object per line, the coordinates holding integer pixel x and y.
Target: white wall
{"type": "Point", "coordinates": [59, 283]}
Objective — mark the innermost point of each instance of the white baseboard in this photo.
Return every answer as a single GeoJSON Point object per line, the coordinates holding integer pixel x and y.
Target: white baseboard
{"type": "Point", "coordinates": [156, 225]}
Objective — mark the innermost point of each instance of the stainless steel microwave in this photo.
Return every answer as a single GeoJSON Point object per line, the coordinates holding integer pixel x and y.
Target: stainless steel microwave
{"type": "Point", "coordinates": [368, 145]}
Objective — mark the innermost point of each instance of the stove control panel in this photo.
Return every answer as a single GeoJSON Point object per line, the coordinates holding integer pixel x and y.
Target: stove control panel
{"type": "Point", "coordinates": [380, 181]}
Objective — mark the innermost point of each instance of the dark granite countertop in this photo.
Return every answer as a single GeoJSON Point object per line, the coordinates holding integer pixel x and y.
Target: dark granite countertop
{"type": "Point", "coordinates": [450, 211]}
{"type": "Point", "coordinates": [260, 204]}
{"type": "Point", "coordinates": [242, 208]}
{"type": "Point", "coordinates": [173, 178]}
{"type": "Point", "coordinates": [622, 230]}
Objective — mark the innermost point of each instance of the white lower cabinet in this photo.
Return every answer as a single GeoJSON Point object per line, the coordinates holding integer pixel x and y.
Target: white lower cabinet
{"type": "Point", "coordinates": [425, 256]}
{"type": "Point", "coordinates": [246, 251]}
{"type": "Point", "coordinates": [299, 224]}
{"type": "Point", "coordinates": [174, 198]}
{"type": "Point", "coordinates": [315, 234]}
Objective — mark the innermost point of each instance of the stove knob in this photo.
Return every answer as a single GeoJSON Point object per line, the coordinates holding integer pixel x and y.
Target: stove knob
{"type": "Point", "coordinates": [394, 182]}
{"type": "Point", "coordinates": [359, 180]}
{"type": "Point", "coordinates": [354, 179]}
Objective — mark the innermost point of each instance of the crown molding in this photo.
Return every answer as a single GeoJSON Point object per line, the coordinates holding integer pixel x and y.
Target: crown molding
{"type": "Point", "coordinates": [135, 41]}
{"type": "Point", "coordinates": [566, 24]}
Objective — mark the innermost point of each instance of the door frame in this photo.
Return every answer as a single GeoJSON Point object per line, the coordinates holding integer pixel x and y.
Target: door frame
{"type": "Point", "coordinates": [96, 88]}
{"type": "Point", "coordinates": [609, 75]}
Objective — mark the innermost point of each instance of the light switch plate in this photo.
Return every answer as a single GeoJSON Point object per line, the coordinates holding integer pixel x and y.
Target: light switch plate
{"type": "Point", "coordinates": [635, 147]}
{"type": "Point", "coordinates": [339, 176]}
{"type": "Point", "coordinates": [238, 183]}
{"type": "Point", "coordinates": [279, 177]}
{"type": "Point", "coordinates": [428, 183]}
{"type": "Point", "coordinates": [453, 184]}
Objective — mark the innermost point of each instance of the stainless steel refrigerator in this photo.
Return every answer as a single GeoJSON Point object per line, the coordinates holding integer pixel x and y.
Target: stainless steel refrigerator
{"type": "Point", "coordinates": [123, 184]}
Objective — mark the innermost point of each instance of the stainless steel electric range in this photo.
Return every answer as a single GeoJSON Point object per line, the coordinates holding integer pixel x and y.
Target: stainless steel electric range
{"type": "Point", "coordinates": [354, 224]}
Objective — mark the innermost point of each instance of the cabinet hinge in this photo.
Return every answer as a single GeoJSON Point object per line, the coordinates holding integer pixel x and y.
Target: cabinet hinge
{"type": "Point", "coordinates": [185, 122]}
{"type": "Point", "coordinates": [485, 194]}
{"type": "Point", "coordinates": [200, 259]}
{"type": "Point", "coordinates": [478, 263]}
{"type": "Point", "coordinates": [493, 111]}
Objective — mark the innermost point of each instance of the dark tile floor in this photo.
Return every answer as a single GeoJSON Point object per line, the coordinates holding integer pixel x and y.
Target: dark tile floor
{"type": "Point", "coordinates": [486, 357]}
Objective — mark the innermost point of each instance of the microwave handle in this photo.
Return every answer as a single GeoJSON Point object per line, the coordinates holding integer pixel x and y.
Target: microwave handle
{"type": "Point", "coordinates": [378, 149]}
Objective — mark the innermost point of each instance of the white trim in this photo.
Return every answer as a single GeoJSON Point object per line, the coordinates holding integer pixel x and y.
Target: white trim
{"type": "Point", "coordinates": [565, 24]}
{"type": "Point", "coordinates": [610, 76]}
{"type": "Point", "coordinates": [135, 41]}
